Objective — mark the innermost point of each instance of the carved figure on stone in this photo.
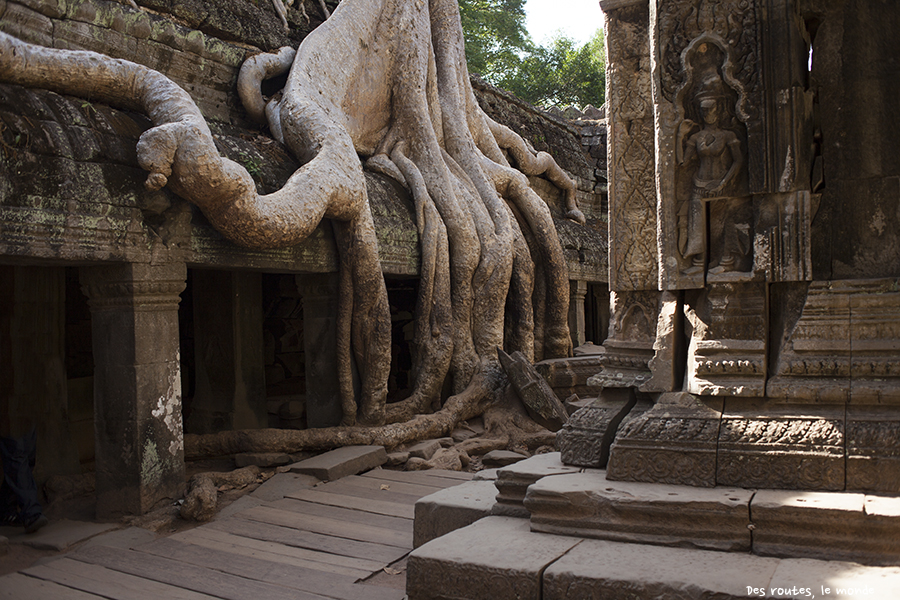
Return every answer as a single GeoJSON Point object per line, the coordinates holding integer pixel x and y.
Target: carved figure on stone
{"type": "Point", "coordinates": [710, 157]}
{"type": "Point", "coordinates": [385, 80]}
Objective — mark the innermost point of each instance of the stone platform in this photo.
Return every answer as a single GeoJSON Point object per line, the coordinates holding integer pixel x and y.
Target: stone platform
{"type": "Point", "coordinates": [508, 560]}
{"type": "Point", "coordinates": [584, 536]}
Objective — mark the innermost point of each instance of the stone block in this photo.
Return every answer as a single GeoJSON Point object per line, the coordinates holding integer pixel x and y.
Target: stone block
{"type": "Point", "coordinates": [425, 449]}
{"type": "Point", "coordinates": [585, 439]}
{"type": "Point", "coordinates": [452, 508]}
{"type": "Point", "coordinates": [499, 553]}
{"type": "Point", "coordinates": [767, 445]}
{"type": "Point", "coordinates": [341, 462]}
{"type": "Point", "coordinates": [588, 505]}
{"type": "Point", "coordinates": [596, 569]}
{"type": "Point", "coordinates": [501, 458]}
{"type": "Point", "coordinates": [790, 524]}
{"type": "Point", "coordinates": [513, 481]}
{"type": "Point", "coordinates": [673, 442]}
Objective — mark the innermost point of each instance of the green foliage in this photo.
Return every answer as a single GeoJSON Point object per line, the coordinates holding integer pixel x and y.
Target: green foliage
{"type": "Point", "coordinates": [495, 35]}
{"type": "Point", "coordinates": [500, 50]}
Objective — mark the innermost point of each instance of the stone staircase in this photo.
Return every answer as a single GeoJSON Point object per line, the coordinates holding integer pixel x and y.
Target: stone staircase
{"type": "Point", "coordinates": [554, 532]}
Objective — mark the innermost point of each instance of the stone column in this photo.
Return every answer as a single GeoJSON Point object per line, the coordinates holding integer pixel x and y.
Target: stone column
{"type": "Point", "coordinates": [137, 385]}
{"type": "Point", "coordinates": [577, 293]}
{"type": "Point", "coordinates": [228, 334]}
{"type": "Point", "coordinates": [320, 301]}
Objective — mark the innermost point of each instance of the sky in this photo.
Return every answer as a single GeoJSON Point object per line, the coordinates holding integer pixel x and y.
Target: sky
{"type": "Point", "coordinates": [578, 19]}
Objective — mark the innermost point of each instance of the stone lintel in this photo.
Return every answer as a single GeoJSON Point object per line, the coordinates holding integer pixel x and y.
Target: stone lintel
{"type": "Point", "coordinates": [589, 505]}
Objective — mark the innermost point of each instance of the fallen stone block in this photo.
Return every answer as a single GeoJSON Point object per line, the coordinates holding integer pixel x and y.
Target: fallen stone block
{"type": "Point", "coordinates": [424, 450]}
{"type": "Point", "coordinates": [341, 462]}
{"type": "Point", "coordinates": [450, 509]}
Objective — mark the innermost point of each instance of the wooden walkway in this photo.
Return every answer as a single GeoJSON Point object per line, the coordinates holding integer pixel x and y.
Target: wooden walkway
{"type": "Point", "coordinates": [347, 539]}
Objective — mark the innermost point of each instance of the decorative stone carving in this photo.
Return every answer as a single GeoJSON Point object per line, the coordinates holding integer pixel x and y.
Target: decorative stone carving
{"type": "Point", "coordinates": [629, 347]}
{"type": "Point", "coordinates": [873, 449]}
{"type": "Point", "coordinates": [585, 439]}
{"type": "Point", "coordinates": [673, 442]}
{"type": "Point", "coordinates": [727, 352]}
{"type": "Point", "coordinates": [632, 193]}
{"type": "Point", "coordinates": [768, 446]}
{"type": "Point", "coordinates": [843, 345]}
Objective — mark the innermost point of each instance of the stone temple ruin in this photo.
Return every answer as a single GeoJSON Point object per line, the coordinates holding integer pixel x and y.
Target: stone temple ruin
{"type": "Point", "coordinates": [740, 285]}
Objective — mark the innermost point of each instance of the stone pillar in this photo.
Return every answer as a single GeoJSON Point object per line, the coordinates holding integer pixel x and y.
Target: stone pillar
{"type": "Point", "coordinates": [577, 293]}
{"type": "Point", "coordinates": [33, 372]}
{"type": "Point", "coordinates": [137, 385]}
{"type": "Point", "coordinates": [228, 336]}
{"type": "Point", "coordinates": [320, 301]}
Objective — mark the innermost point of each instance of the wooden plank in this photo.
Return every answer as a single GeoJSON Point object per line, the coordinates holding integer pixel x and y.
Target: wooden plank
{"type": "Point", "coordinates": [17, 586]}
{"type": "Point", "coordinates": [377, 487]}
{"type": "Point", "coordinates": [435, 477]}
{"type": "Point", "coordinates": [272, 552]}
{"type": "Point", "coordinates": [346, 514]}
{"type": "Point", "coordinates": [310, 540]}
{"type": "Point", "coordinates": [108, 583]}
{"type": "Point", "coordinates": [328, 526]}
{"type": "Point", "coordinates": [380, 507]}
{"type": "Point", "coordinates": [342, 487]}
{"type": "Point", "coordinates": [188, 576]}
{"type": "Point", "coordinates": [286, 576]}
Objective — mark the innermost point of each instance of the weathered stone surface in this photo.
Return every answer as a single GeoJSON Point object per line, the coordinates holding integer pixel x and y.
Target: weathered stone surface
{"type": "Point", "coordinates": [397, 459]}
{"type": "Point", "coordinates": [501, 458]}
{"type": "Point", "coordinates": [598, 569]}
{"type": "Point", "coordinates": [873, 449]}
{"type": "Point", "coordinates": [335, 464]}
{"type": "Point", "coordinates": [632, 334]}
{"type": "Point", "coordinates": [589, 505]}
{"type": "Point", "coordinates": [673, 442]}
{"type": "Point", "coordinates": [453, 508]}
{"type": "Point", "coordinates": [766, 445]}
{"type": "Point", "coordinates": [513, 481]}
{"type": "Point", "coordinates": [448, 459]}
{"type": "Point", "coordinates": [728, 325]}
{"type": "Point", "coordinates": [536, 394]}
{"type": "Point", "coordinates": [585, 439]}
{"type": "Point", "coordinates": [833, 579]}
{"type": "Point", "coordinates": [790, 524]}
{"type": "Point", "coordinates": [632, 189]}
{"type": "Point", "coordinates": [499, 553]}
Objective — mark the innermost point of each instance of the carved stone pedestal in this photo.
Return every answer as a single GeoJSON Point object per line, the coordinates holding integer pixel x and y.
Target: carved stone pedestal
{"type": "Point", "coordinates": [727, 353]}
{"type": "Point", "coordinates": [585, 439]}
{"type": "Point", "coordinates": [673, 442]}
{"type": "Point", "coordinates": [768, 445]}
